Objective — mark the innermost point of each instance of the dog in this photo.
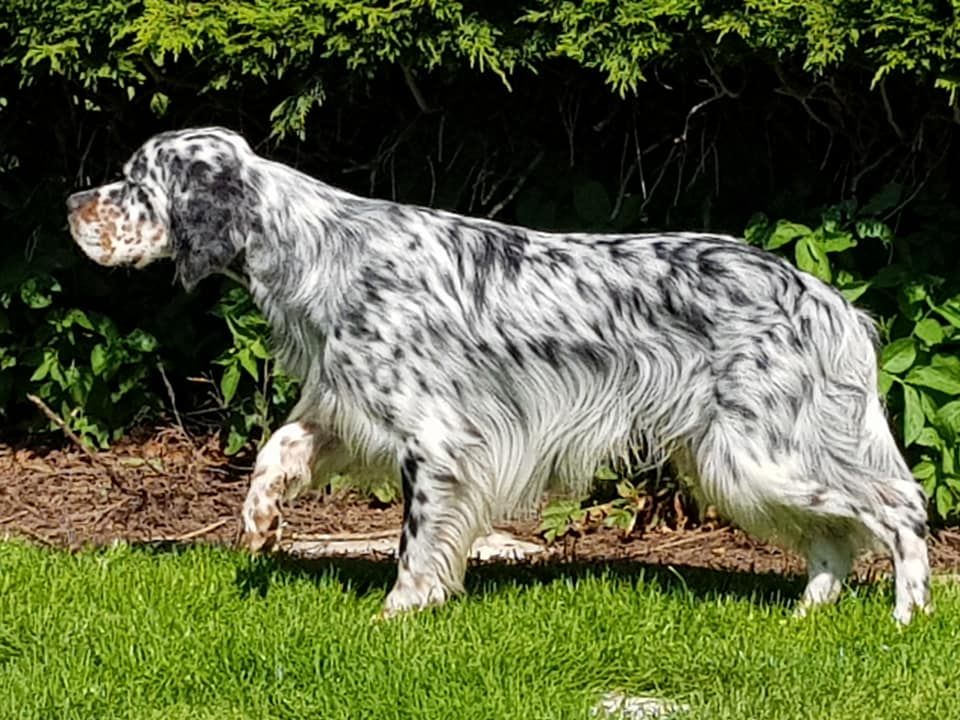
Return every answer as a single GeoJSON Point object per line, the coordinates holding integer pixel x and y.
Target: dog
{"type": "Point", "coordinates": [487, 363]}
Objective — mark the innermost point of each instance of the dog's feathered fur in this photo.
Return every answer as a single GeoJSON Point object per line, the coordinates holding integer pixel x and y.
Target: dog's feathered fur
{"type": "Point", "coordinates": [486, 361]}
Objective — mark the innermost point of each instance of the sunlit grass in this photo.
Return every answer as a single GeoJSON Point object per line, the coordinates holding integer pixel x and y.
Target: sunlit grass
{"type": "Point", "coordinates": [208, 633]}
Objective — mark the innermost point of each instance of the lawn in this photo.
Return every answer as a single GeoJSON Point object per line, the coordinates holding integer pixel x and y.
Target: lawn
{"type": "Point", "coordinates": [203, 633]}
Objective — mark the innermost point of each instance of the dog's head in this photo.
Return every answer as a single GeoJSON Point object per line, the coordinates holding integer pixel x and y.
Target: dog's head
{"type": "Point", "coordinates": [184, 195]}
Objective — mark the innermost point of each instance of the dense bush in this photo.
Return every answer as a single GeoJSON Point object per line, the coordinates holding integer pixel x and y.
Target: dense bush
{"type": "Point", "coordinates": [840, 116]}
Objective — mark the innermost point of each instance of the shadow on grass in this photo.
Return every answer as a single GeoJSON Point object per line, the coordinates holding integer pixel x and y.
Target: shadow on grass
{"type": "Point", "coordinates": [362, 577]}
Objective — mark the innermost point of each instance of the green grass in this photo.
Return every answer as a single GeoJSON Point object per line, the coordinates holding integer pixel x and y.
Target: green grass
{"type": "Point", "coordinates": [205, 633]}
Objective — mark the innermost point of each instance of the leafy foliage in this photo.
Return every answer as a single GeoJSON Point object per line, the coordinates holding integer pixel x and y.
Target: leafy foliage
{"type": "Point", "coordinates": [132, 46]}
{"type": "Point", "coordinates": [266, 393]}
{"type": "Point", "coordinates": [580, 114]}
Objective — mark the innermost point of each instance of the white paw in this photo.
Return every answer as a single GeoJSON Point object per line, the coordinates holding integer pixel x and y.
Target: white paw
{"type": "Point", "coordinates": [413, 594]}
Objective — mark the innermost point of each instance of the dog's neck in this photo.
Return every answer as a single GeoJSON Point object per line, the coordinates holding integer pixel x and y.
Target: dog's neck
{"type": "Point", "coordinates": [302, 260]}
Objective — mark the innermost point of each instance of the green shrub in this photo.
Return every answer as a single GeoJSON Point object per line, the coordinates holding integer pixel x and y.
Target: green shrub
{"type": "Point", "coordinates": [580, 114]}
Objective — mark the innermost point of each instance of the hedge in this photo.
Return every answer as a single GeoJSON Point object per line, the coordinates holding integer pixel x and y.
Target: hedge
{"type": "Point", "coordinates": [836, 120]}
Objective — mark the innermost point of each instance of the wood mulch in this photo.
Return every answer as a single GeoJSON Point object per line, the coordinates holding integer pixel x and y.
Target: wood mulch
{"type": "Point", "coordinates": [165, 485]}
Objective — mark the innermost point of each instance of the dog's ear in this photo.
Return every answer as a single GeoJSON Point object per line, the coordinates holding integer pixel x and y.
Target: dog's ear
{"type": "Point", "coordinates": [209, 219]}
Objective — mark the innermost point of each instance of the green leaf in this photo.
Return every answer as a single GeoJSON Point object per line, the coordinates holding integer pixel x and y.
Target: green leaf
{"type": "Point", "coordinates": [811, 258]}
{"type": "Point", "coordinates": [786, 232]}
{"type": "Point", "coordinates": [929, 437]}
{"type": "Point", "coordinates": [949, 415]}
{"type": "Point", "coordinates": [159, 103]}
{"type": "Point", "coordinates": [950, 311]}
{"type": "Point", "coordinates": [874, 229]}
{"type": "Point", "coordinates": [142, 341]}
{"type": "Point", "coordinates": [945, 501]}
{"type": "Point", "coordinates": [854, 289]}
{"type": "Point", "coordinates": [912, 300]}
{"type": "Point", "coordinates": [884, 382]}
{"type": "Point", "coordinates": [930, 331]}
{"type": "Point", "coordinates": [758, 228]}
{"type": "Point", "coordinates": [836, 241]}
{"type": "Point", "coordinates": [943, 379]}
{"type": "Point", "coordinates": [77, 317]}
{"type": "Point", "coordinates": [229, 382]}
{"type": "Point", "coordinates": [98, 359]}
{"type": "Point", "coordinates": [605, 472]}
{"type": "Point", "coordinates": [912, 415]}
{"type": "Point", "coordinates": [46, 365]}
{"type": "Point", "coordinates": [235, 441]}
{"type": "Point", "coordinates": [924, 470]}
{"type": "Point", "coordinates": [249, 363]}
{"type": "Point", "coordinates": [899, 355]}
{"type": "Point", "coordinates": [37, 292]}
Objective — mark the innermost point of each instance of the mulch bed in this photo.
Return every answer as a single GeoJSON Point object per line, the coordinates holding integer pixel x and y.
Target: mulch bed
{"type": "Point", "coordinates": [166, 485]}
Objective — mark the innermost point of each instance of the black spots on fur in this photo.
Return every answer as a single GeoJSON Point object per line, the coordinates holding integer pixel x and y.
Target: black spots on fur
{"type": "Point", "coordinates": [483, 347]}
{"type": "Point", "coordinates": [408, 480]}
{"type": "Point", "coordinates": [762, 361]}
{"type": "Point", "coordinates": [589, 356]}
{"type": "Point", "coordinates": [209, 218]}
{"type": "Point", "coordinates": [546, 349]}
{"type": "Point", "coordinates": [412, 524]}
{"type": "Point", "coordinates": [421, 382]}
{"type": "Point", "coordinates": [731, 407]}
{"type": "Point", "coordinates": [513, 244]}
{"type": "Point", "coordinates": [710, 268]}
{"type": "Point", "coordinates": [514, 352]}
{"type": "Point", "coordinates": [688, 315]}
{"type": "Point", "coordinates": [457, 388]}
{"type": "Point", "coordinates": [557, 259]}
{"type": "Point", "coordinates": [595, 326]}
{"type": "Point", "coordinates": [584, 289]}
{"type": "Point", "coordinates": [897, 544]}
{"type": "Point", "coordinates": [920, 529]}
{"type": "Point", "coordinates": [617, 252]}
{"type": "Point", "coordinates": [816, 500]}
{"type": "Point", "coordinates": [371, 288]}
{"type": "Point", "coordinates": [398, 353]}
{"type": "Point", "coordinates": [498, 253]}
{"type": "Point", "coordinates": [738, 297]}
{"type": "Point", "coordinates": [421, 497]}
{"type": "Point", "coordinates": [138, 166]}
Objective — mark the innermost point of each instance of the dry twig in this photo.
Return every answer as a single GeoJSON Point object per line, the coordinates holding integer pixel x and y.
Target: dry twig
{"type": "Point", "coordinates": [115, 481]}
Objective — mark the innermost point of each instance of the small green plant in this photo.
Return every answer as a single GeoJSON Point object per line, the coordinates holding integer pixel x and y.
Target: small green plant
{"type": "Point", "coordinates": [638, 500]}
{"type": "Point", "coordinates": [254, 391]}
{"type": "Point", "coordinates": [83, 366]}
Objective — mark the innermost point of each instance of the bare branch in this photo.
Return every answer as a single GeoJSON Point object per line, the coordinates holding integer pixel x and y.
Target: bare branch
{"type": "Point", "coordinates": [117, 483]}
{"type": "Point", "coordinates": [415, 90]}
{"type": "Point", "coordinates": [889, 110]}
{"type": "Point", "coordinates": [521, 181]}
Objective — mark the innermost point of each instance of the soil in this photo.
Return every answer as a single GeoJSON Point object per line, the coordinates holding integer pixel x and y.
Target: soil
{"type": "Point", "coordinates": [168, 486]}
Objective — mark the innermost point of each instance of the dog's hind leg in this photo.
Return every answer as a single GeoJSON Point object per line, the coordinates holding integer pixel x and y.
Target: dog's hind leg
{"type": "Point", "coordinates": [829, 557]}
{"type": "Point", "coordinates": [442, 516]}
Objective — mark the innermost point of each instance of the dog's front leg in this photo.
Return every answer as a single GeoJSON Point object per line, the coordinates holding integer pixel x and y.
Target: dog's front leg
{"type": "Point", "coordinates": [283, 470]}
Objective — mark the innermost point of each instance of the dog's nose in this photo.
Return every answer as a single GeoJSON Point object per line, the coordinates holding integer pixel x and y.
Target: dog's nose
{"type": "Point", "coordinates": [78, 200]}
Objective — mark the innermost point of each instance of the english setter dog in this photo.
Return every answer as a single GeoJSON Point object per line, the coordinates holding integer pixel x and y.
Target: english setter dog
{"type": "Point", "coordinates": [487, 362]}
